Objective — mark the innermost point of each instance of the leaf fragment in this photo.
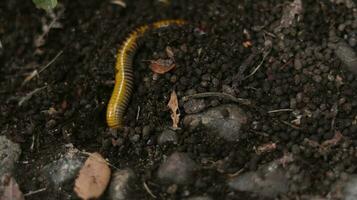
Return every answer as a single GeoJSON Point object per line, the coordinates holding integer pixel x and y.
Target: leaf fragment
{"type": "Point", "coordinates": [162, 66]}
{"type": "Point", "coordinates": [175, 113]}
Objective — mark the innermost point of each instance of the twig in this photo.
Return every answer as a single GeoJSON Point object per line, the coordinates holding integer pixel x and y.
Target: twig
{"type": "Point", "coordinates": [29, 95]}
{"type": "Point", "coordinates": [35, 192]}
{"type": "Point", "coordinates": [148, 190]}
{"type": "Point", "coordinates": [291, 125]}
{"type": "Point", "coordinates": [280, 110]}
{"type": "Point", "coordinates": [37, 73]}
{"type": "Point", "coordinates": [138, 114]}
{"type": "Point", "coordinates": [217, 94]}
{"type": "Point", "coordinates": [260, 64]}
{"type": "Point", "coordinates": [53, 60]}
{"type": "Point", "coordinates": [235, 173]}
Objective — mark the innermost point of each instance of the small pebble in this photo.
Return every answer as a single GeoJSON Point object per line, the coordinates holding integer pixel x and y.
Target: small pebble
{"type": "Point", "coordinates": [178, 168]}
{"type": "Point", "coordinates": [167, 136]}
{"type": "Point", "coordinates": [9, 155]}
{"type": "Point", "coordinates": [121, 185]}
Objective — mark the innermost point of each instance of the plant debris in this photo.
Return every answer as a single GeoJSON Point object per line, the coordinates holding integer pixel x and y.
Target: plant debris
{"type": "Point", "coordinates": [93, 178]}
{"type": "Point", "coordinates": [162, 66]}
{"type": "Point", "coordinates": [175, 112]}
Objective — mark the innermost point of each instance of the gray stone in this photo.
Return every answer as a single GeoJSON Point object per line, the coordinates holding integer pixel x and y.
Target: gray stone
{"type": "Point", "coordinates": [167, 136]}
{"type": "Point", "coordinates": [179, 168]}
{"type": "Point", "coordinates": [268, 181]}
{"type": "Point", "coordinates": [9, 155]}
{"type": "Point", "coordinates": [121, 185]}
{"type": "Point", "coordinates": [63, 171]}
{"type": "Point", "coordinates": [347, 56]}
{"type": "Point", "coordinates": [226, 121]}
{"type": "Point", "coordinates": [291, 12]}
{"type": "Point", "coordinates": [194, 106]}
{"type": "Point", "coordinates": [350, 188]}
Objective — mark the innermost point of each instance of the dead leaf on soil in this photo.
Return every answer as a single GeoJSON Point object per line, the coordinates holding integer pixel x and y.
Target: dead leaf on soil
{"type": "Point", "coordinates": [162, 66]}
{"type": "Point", "coordinates": [173, 105]}
{"type": "Point", "coordinates": [93, 177]}
{"type": "Point", "coordinates": [9, 189]}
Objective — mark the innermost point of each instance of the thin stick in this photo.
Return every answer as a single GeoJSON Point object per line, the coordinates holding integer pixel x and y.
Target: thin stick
{"type": "Point", "coordinates": [260, 64]}
{"type": "Point", "coordinates": [138, 114]}
{"type": "Point", "coordinates": [53, 60]}
{"type": "Point", "coordinates": [148, 190]}
{"type": "Point", "coordinates": [37, 73]}
{"type": "Point", "coordinates": [217, 94]}
{"type": "Point", "coordinates": [35, 192]}
{"type": "Point", "coordinates": [291, 125]}
{"type": "Point", "coordinates": [29, 95]}
{"type": "Point", "coordinates": [280, 110]}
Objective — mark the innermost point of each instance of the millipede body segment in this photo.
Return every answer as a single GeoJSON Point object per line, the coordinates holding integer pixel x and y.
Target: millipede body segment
{"type": "Point", "coordinates": [124, 77]}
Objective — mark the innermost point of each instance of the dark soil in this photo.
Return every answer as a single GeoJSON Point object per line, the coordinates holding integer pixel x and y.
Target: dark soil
{"type": "Point", "coordinates": [301, 72]}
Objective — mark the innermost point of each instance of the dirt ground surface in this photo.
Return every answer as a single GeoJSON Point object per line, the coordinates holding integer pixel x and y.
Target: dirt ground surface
{"type": "Point", "coordinates": [300, 91]}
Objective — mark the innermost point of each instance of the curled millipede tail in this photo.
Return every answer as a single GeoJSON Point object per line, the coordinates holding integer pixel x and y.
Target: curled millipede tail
{"type": "Point", "coordinates": [124, 77]}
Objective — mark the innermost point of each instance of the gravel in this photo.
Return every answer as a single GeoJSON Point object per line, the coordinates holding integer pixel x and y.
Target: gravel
{"type": "Point", "coordinates": [194, 106]}
{"type": "Point", "coordinates": [226, 121]}
{"type": "Point", "coordinates": [62, 172]}
{"type": "Point", "coordinates": [121, 185]}
{"type": "Point", "coordinates": [9, 155]}
{"type": "Point", "coordinates": [268, 181]}
{"type": "Point", "coordinates": [167, 136]}
{"type": "Point", "coordinates": [178, 168]}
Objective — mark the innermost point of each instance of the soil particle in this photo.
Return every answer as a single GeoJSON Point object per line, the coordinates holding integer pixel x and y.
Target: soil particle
{"type": "Point", "coordinates": [268, 181]}
{"type": "Point", "coordinates": [9, 155]}
{"type": "Point", "coordinates": [194, 106]}
{"type": "Point", "coordinates": [178, 168]}
{"type": "Point", "coordinates": [227, 121]}
{"type": "Point", "coordinates": [122, 185]}
{"type": "Point", "coordinates": [167, 136]}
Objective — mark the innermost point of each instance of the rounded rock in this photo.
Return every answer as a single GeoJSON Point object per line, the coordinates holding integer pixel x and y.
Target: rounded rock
{"type": "Point", "coordinates": [9, 155]}
{"type": "Point", "coordinates": [121, 185]}
{"type": "Point", "coordinates": [179, 168]}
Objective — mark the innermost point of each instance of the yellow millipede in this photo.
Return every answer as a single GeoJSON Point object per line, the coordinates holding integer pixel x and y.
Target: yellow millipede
{"type": "Point", "coordinates": [124, 77]}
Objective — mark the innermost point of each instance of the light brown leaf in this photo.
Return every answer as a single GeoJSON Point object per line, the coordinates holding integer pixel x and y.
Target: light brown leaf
{"type": "Point", "coordinates": [93, 177]}
{"type": "Point", "coordinates": [9, 189]}
{"type": "Point", "coordinates": [173, 105]}
{"type": "Point", "coordinates": [162, 66]}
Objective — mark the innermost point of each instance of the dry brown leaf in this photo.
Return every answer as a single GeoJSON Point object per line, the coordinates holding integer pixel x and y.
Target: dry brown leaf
{"type": "Point", "coordinates": [9, 189]}
{"type": "Point", "coordinates": [93, 177]}
{"type": "Point", "coordinates": [173, 105]}
{"type": "Point", "coordinates": [161, 66]}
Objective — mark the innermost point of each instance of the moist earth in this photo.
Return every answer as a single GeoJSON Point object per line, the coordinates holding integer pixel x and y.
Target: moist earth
{"type": "Point", "coordinates": [289, 66]}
